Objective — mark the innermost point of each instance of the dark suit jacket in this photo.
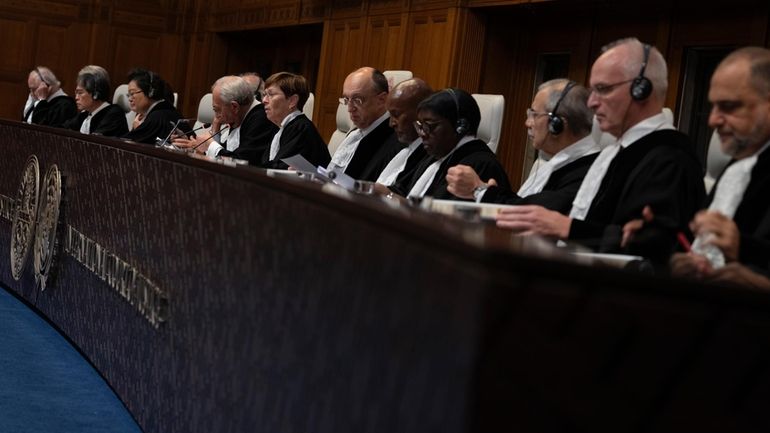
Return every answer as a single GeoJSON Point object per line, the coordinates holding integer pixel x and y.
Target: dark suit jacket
{"type": "Point", "coordinates": [373, 153]}
{"type": "Point", "coordinates": [158, 123]}
{"type": "Point", "coordinates": [55, 112]}
{"type": "Point", "coordinates": [299, 136]}
{"type": "Point", "coordinates": [658, 170]}
{"type": "Point", "coordinates": [557, 194]}
{"type": "Point", "coordinates": [256, 135]}
{"type": "Point", "coordinates": [110, 122]}
{"type": "Point", "coordinates": [475, 154]}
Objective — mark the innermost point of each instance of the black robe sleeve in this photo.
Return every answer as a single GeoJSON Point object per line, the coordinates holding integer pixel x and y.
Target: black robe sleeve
{"type": "Point", "coordinates": [110, 122]}
{"type": "Point", "coordinates": [300, 136]}
{"type": "Point", "coordinates": [55, 112]}
{"type": "Point", "coordinates": [157, 124]}
{"type": "Point", "coordinates": [256, 135]}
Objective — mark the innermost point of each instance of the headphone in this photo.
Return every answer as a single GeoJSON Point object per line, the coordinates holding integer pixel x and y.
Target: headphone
{"type": "Point", "coordinates": [556, 123]}
{"type": "Point", "coordinates": [151, 93]}
{"type": "Point", "coordinates": [40, 74]}
{"type": "Point", "coordinates": [641, 87]}
{"type": "Point", "coordinates": [461, 127]}
{"type": "Point", "coordinates": [89, 84]}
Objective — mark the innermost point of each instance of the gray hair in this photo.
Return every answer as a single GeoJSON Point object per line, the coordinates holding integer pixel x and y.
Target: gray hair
{"type": "Point", "coordinates": [656, 70]}
{"type": "Point", "coordinates": [260, 86]}
{"type": "Point", "coordinates": [47, 76]}
{"type": "Point", "coordinates": [232, 88]}
{"type": "Point", "coordinates": [573, 107]}
{"type": "Point", "coordinates": [96, 81]}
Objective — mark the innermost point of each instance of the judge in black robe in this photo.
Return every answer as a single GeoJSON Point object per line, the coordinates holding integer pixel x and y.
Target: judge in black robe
{"type": "Point", "coordinates": [298, 137]}
{"type": "Point", "coordinates": [657, 170]}
{"type": "Point", "coordinates": [557, 194]}
{"type": "Point", "coordinates": [447, 123]}
{"type": "Point", "coordinates": [374, 152]}
{"type": "Point", "coordinates": [155, 116]}
{"type": "Point", "coordinates": [92, 94]}
{"type": "Point", "coordinates": [256, 133]}
{"type": "Point", "coordinates": [54, 112]}
{"type": "Point", "coordinates": [285, 95]}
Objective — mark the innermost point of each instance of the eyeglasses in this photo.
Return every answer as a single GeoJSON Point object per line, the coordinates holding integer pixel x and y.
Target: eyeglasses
{"type": "Point", "coordinates": [357, 101]}
{"type": "Point", "coordinates": [425, 128]}
{"type": "Point", "coordinates": [605, 89]}
{"type": "Point", "coordinates": [80, 92]}
{"type": "Point", "coordinates": [132, 94]}
{"type": "Point", "coordinates": [270, 95]}
{"type": "Point", "coordinates": [532, 114]}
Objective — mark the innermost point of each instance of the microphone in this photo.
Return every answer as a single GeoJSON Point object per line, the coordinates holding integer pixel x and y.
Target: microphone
{"type": "Point", "coordinates": [212, 136]}
{"type": "Point", "coordinates": [174, 126]}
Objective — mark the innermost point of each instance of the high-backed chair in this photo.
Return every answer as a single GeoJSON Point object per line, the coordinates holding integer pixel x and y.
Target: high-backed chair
{"type": "Point", "coordinates": [308, 108]}
{"type": "Point", "coordinates": [205, 111]}
{"type": "Point", "coordinates": [120, 98]}
{"type": "Point", "coordinates": [492, 108]}
{"type": "Point", "coordinates": [716, 161]}
{"type": "Point", "coordinates": [395, 77]}
{"type": "Point", "coordinates": [344, 125]}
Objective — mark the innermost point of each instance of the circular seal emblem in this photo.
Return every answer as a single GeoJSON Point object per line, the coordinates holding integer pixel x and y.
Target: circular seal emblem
{"type": "Point", "coordinates": [24, 215]}
{"type": "Point", "coordinates": [47, 224]}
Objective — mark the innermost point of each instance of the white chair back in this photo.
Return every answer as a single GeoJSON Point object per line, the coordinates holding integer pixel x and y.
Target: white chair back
{"type": "Point", "coordinates": [395, 77]}
{"type": "Point", "coordinates": [205, 111]}
{"type": "Point", "coordinates": [308, 108]}
{"type": "Point", "coordinates": [344, 125]}
{"type": "Point", "coordinates": [492, 108]}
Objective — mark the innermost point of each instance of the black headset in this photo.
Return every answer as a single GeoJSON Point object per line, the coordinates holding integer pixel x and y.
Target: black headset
{"type": "Point", "coordinates": [555, 122]}
{"type": "Point", "coordinates": [151, 93]}
{"type": "Point", "coordinates": [461, 127]}
{"type": "Point", "coordinates": [641, 87]}
{"type": "Point", "coordinates": [40, 74]}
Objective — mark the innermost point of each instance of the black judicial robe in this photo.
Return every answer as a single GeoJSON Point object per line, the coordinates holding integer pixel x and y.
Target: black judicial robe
{"type": "Point", "coordinates": [158, 123]}
{"type": "Point", "coordinates": [475, 154]}
{"type": "Point", "coordinates": [412, 164]}
{"type": "Point", "coordinates": [374, 152]}
{"type": "Point", "coordinates": [557, 194]}
{"type": "Point", "coordinates": [299, 136]}
{"type": "Point", "coordinates": [256, 135]}
{"type": "Point", "coordinates": [110, 122]}
{"type": "Point", "coordinates": [658, 170]}
{"type": "Point", "coordinates": [753, 217]}
{"type": "Point", "coordinates": [55, 112]}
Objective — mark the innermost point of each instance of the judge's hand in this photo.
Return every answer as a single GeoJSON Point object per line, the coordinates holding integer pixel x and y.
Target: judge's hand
{"type": "Point", "coordinates": [725, 234]}
{"type": "Point", "coordinates": [42, 92]}
{"type": "Point", "coordinates": [138, 119]}
{"type": "Point", "coordinates": [736, 273]}
{"type": "Point", "coordinates": [193, 144]}
{"type": "Point", "coordinates": [462, 180]}
{"type": "Point", "coordinates": [216, 124]}
{"type": "Point", "coordinates": [690, 265]}
{"type": "Point", "coordinates": [632, 227]}
{"type": "Point", "coordinates": [533, 219]}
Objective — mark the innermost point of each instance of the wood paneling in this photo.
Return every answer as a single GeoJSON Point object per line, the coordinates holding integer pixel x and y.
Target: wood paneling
{"type": "Point", "coordinates": [427, 52]}
{"type": "Point", "coordinates": [383, 46]}
{"type": "Point", "coordinates": [13, 40]}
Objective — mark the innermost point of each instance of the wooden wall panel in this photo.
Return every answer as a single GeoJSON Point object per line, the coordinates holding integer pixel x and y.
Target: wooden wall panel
{"type": "Point", "coordinates": [384, 44]}
{"type": "Point", "coordinates": [342, 53]}
{"type": "Point", "coordinates": [14, 38]}
{"type": "Point", "coordinates": [427, 49]}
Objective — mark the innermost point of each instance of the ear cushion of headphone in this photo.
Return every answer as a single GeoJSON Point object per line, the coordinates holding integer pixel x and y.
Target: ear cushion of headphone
{"type": "Point", "coordinates": [95, 95]}
{"type": "Point", "coordinates": [151, 93]}
{"type": "Point", "coordinates": [641, 88]}
{"type": "Point", "coordinates": [462, 127]}
{"type": "Point", "coordinates": [555, 124]}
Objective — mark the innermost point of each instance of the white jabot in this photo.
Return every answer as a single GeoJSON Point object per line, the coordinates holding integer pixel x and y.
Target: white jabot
{"type": "Point", "coordinates": [426, 179]}
{"type": "Point", "coordinates": [29, 105]}
{"type": "Point", "coordinates": [56, 94]}
{"type": "Point", "coordinates": [593, 180]}
{"type": "Point", "coordinates": [539, 177]}
{"type": "Point", "coordinates": [233, 137]}
{"type": "Point", "coordinates": [727, 197]}
{"type": "Point", "coordinates": [398, 163]}
{"type": "Point", "coordinates": [345, 151]}
{"type": "Point", "coordinates": [275, 145]}
{"type": "Point", "coordinates": [85, 127]}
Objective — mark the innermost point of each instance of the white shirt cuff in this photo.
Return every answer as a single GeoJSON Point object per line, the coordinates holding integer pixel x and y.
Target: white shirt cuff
{"type": "Point", "coordinates": [214, 149]}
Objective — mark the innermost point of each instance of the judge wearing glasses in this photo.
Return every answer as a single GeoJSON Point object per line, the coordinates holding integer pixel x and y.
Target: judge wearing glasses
{"type": "Point", "coordinates": [368, 148]}
{"type": "Point", "coordinates": [649, 168]}
{"type": "Point", "coordinates": [155, 115]}
{"type": "Point", "coordinates": [97, 115]}
{"type": "Point", "coordinates": [447, 122]}
{"type": "Point", "coordinates": [285, 95]}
